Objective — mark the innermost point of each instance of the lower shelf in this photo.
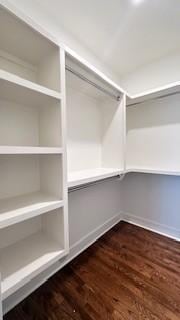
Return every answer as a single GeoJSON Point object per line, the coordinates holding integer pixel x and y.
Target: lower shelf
{"type": "Point", "coordinates": [16, 209]}
{"type": "Point", "coordinates": [22, 261]}
{"type": "Point", "coordinates": [77, 178]}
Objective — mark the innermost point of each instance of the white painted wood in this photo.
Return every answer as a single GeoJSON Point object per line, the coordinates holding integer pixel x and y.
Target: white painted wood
{"type": "Point", "coordinates": [85, 176]}
{"type": "Point", "coordinates": [30, 127]}
{"type": "Point", "coordinates": [113, 136]}
{"type": "Point", "coordinates": [84, 131]}
{"type": "Point", "coordinates": [96, 129]}
{"type": "Point", "coordinates": [51, 179]}
{"type": "Point", "coordinates": [29, 150]}
{"type": "Point", "coordinates": [153, 136]}
{"type": "Point", "coordinates": [152, 94]}
{"type": "Point", "coordinates": [64, 144]}
{"type": "Point", "coordinates": [17, 209]}
{"type": "Point", "coordinates": [32, 152]}
{"type": "Point", "coordinates": [31, 23]}
{"type": "Point", "coordinates": [29, 247]}
{"type": "Point", "coordinates": [48, 73]}
{"type": "Point", "coordinates": [38, 65]}
{"type": "Point", "coordinates": [42, 172]}
{"type": "Point", "coordinates": [75, 250]}
{"type": "Point", "coordinates": [24, 260]}
{"type": "Point", "coordinates": [24, 91]}
{"type": "Point", "coordinates": [153, 171]}
{"type": "Point", "coordinates": [79, 59]}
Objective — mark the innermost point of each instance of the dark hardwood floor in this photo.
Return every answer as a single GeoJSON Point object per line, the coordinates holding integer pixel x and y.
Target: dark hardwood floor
{"type": "Point", "coordinates": [129, 274]}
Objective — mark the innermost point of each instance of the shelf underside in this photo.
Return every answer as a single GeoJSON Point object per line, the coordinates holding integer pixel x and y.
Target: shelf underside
{"type": "Point", "coordinates": [77, 178]}
{"type": "Point", "coordinates": [16, 209]}
{"type": "Point", "coordinates": [25, 259]}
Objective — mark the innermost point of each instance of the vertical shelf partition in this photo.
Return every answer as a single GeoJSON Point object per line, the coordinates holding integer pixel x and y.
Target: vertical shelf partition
{"type": "Point", "coordinates": [33, 182]}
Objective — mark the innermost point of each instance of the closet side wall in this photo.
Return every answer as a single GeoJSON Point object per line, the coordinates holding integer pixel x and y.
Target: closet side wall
{"type": "Point", "coordinates": [153, 201]}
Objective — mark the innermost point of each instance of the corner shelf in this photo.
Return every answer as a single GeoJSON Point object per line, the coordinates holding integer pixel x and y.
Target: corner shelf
{"type": "Point", "coordinates": [167, 90]}
{"type": "Point", "coordinates": [17, 209]}
{"type": "Point", "coordinates": [153, 130]}
{"type": "Point", "coordinates": [153, 171]}
{"type": "Point", "coordinates": [86, 176]}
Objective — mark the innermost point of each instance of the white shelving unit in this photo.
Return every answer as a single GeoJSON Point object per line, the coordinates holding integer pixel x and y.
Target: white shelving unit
{"type": "Point", "coordinates": [19, 208]}
{"type": "Point", "coordinates": [153, 131]}
{"type": "Point", "coordinates": [28, 54]}
{"type": "Point", "coordinates": [91, 175]}
{"type": "Point", "coordinates": [33, 182]}
{"type": "Point", "coordinates": [28, 248]}
{"type": "Point", "coordinates": [96, 127]}
{"type": "Point", "coordinates": [34, 168]}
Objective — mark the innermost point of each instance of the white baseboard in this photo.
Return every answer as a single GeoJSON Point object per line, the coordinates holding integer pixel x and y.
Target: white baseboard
{"type": "Point", "coordinates": [75, 250]}
{"type": "Point", "coordinates": [151, 225]}
{"type": "Point", "coordinates": [91, 237]}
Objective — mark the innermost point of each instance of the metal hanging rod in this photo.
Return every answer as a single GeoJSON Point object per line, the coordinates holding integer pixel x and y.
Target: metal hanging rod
{"type": "Point", "coordinates": [90, 184]}
{"type": "Point", "coordinates": [97, 86]}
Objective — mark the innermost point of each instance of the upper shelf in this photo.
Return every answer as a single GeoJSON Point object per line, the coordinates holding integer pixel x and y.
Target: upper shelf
{"type": "Point", "coordinates": [78, 178]}
{"type": "Point", "coordinates": [21, 40]}
{"type": "Point", "coordinates": [153, 171]}
{"type": "Point", "coordinates": [160, 92]}
{"type": "Point", "coordinates": [24, 91]}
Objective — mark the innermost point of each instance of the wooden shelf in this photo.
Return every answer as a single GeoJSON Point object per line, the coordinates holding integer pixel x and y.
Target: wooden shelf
{"type": "Point", "coordinates": [25, 92]}
{"type": "Point", "coordinates": [25, 259]}
{"type": "Point", "coordinates": [86, 176]}
{"type": "Point", "coordinates": [163, 91]}
{"type": "Point", "coordinates": [16, 209]}
{"type": "Point", "coordinates": [29, 150]}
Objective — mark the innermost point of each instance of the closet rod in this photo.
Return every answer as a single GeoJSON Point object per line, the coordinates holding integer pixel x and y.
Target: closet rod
{"type": "Point", "coordinates": [89, 184]}
{"type": "Point", "coordinates": [97, 86]}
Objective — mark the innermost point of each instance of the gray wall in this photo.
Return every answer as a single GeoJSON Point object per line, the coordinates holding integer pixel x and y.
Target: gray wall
{"type": "Point", "coordinates": [153, 201]}
{"type": "Point", "coordinates": [92, 207]}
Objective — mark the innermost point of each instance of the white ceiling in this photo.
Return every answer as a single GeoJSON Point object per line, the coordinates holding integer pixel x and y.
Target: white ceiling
{"type": "Point", "coordinates": [124, 34]}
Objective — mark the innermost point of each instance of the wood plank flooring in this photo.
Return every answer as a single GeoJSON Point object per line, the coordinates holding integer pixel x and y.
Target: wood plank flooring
{"type": "Point", "coordinates": [129, 274]}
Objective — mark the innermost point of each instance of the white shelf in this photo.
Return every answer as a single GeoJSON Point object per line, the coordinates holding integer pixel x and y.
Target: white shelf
{"type": "Point", "coordinates": [33, 210]}
{"type": "Point", "coordinates": [153, 171]}
{"type": "Point", "coordinates": [81, 177]}
{"type": "Point", "coordinates": [29, 150]}
{"type": "Point", "coordinates": [154, 93]}
{"type": "Point", "coordinates": [16, 209]}
{"type": "Point", "coordinates": [25, 92]}
{"type": "Point", "coordinates": [24, 260]}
